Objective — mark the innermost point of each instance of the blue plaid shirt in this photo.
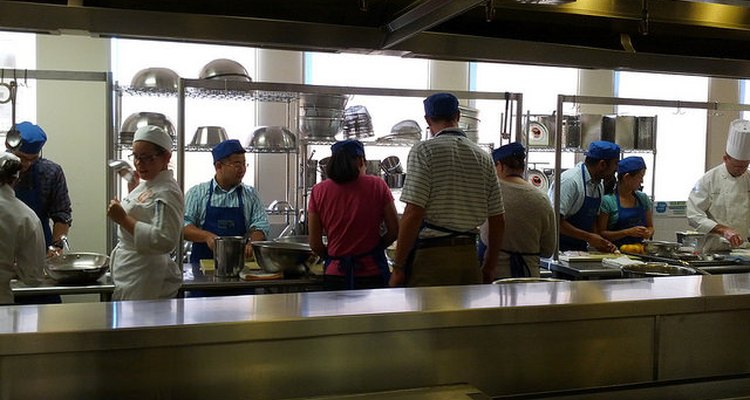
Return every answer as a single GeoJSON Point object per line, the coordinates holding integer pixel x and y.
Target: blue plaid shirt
{"type": "Point", "coordinates": [197, 197]}
{"type": "Point", "coordinates": [53, 188]}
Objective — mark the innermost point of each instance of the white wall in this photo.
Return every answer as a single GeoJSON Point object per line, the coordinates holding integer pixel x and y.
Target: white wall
{"type": "Point", "coordinates": [74, 116]}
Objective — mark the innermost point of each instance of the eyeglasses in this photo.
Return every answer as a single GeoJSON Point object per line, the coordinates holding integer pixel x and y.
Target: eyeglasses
{"type": "Point", "coordinates": [237, 164]}
{"type": "Point", "coordinates": [144, 158]}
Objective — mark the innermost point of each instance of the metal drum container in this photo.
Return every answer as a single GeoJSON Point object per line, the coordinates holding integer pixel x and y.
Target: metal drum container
{"type": "Point", "coordinates": [571, 131]}
{"type": "Point", "coordinates": [229, 256]}
{"type": "Point", "coordinates": [645, 137]}
{"type": "Point", "coordinates": [625, 132]}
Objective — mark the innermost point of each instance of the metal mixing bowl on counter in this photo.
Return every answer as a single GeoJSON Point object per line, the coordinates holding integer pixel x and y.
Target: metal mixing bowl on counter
{"type": "Point", "coordinates": [77, 268]}
{"type": "Point", "coordinates": [656, 269]}
{"type": "Point", "coordinates": [660, 248]}
{"type": "Point", "coordinates": [288, 257]}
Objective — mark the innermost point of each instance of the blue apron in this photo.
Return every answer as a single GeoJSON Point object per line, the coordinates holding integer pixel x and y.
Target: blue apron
{"type": "Point", "coordinates": [584, 219]}
{"type": "Point", "coordinates": [348, 265]}
{"type": "Point", "coordinates": [518, 266]}
{"type": "Point", "coordinates": [30, 193]}
{"type": "Point", "coordinates": [628, 217]}
{"type": "Point", "coordinates": [222, 221]}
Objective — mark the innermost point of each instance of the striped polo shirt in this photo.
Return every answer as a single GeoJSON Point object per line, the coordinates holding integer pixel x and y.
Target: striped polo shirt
{"type": "Point", "coordinates": [454, 180]}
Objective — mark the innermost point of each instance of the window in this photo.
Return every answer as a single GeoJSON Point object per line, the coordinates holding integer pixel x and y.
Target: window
{"type": "Point", "coordinates": [17, 51]}
{"type": "Point", "coordinates": [187, 60]}
{"type": "Point", "coordinates": [681, 133]}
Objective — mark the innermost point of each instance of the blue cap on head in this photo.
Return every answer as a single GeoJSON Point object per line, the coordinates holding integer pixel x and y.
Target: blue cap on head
{"type": "Point", "coordinates": [514, 149]}
{"type": "Point", "coordinates": [33, 137]}
{"type": "Point", "coordinates": [351, 146]}
{"type": "Point", "coordinates": [630, 164]}
{"type": "Point", "coordinates": [603, 150]}
{"type": "Point", "coordinates": [226, 149]}
{"type": "Point", "coordinates": [440, 105]}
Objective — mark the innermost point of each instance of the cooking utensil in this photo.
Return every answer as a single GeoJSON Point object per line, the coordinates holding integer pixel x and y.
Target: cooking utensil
{"type": "Point", "coordinates": [226, 69]}
{"type": "Point", "coordinates": [208, 136]}
{"type": "Point", "coordinates": [155, 78]}
{"type": "Point", "coordinates": [323, 101]}
{"type": "Point", "coordinates": [392, 165]}
{"type": "Point", "coordinates": [660, 248]}
{"type": "Point", "coordinates": [13, 136]}
{"type": "Point", "coordinates": [139, 119]}
{"type": "Point", "coordinates": [319, 127]}
{"type": "Point", "coordinates": [77, 268]}
{"type": "Point", "coordinates": [122, 168]}
{"type": "Point", "coordinates": [395, 181]}
{"type": "Point", "coordinates": [229, 256]}
{"type": "Point", "coordinates": [287, 257]}
{"type": "Point", "coordinates": [272, 139]}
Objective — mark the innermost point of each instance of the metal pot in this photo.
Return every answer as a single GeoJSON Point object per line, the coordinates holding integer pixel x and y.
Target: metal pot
{"type": "Point", "coordinates": [229, 256]}
{"type": "Point", "coordinates": [395, 181]}
{"type": "Point", "coordinates": [77, 268]}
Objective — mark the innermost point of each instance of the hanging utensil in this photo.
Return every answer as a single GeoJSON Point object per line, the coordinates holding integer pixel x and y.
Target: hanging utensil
{"type": "Point", "coordinates": [13, 137]}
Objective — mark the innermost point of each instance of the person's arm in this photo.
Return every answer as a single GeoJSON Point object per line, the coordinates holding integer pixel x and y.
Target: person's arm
{"type": "Point", "coordinates": [315, 238]}
{"type": "Point", "coordinates": [602, 222]}
{"type": "Point", "coordinates": [496, 225]}
{"type": "Point", "coordinates": [390, 217]}
{"type": "Point", "coordinates": [408, 231]}
{"type": "Point", "coordinates": [698, 203]}
{"type": "Point", "coordinates": [60, 210]}
{"type": "Point", "coordinates": [30, 252]}
{"type": "Point", "coordinates": [197, 235]}
{"type": "Point", "coordinates": [594, 239]}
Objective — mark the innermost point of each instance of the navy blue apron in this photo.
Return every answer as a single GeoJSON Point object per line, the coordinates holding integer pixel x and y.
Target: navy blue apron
{"type": "Point", "coordinates": [518, 266]}
{"type": "Point", "coordinates": [222, 221]}
{"type": "Point", "coordinates": [628, 217]}
{"type": "Point", "coordinates": [584, 219]}
{"type": "Point", "coordinates": [348, 265]}
{"type": "Point", "coordinates": [31, 194]}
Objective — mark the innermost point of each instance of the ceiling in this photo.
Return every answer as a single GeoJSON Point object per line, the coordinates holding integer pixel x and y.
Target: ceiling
{"type": "Point", "coordinates": [693, 37]}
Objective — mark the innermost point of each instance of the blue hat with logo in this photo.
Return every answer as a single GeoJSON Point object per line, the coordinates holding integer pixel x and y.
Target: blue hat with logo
{"type": "Point", "coordinates": [226, 149]}
{"type": "Point", "coordinates": [630, 164]}
{"type": "Point", "coordinates": [603, 150]}
{"type": "Point", "coordinates": [351, 146]}
{"type": "Point", "coordinates": [440, 105]}
{"type": "Point", "coordinates": [33, 137]}
{"type": "Point", "coordinates": [514, 149]}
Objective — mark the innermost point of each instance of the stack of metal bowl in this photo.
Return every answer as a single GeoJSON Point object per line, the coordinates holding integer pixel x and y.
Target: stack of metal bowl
{"type": "Point", "coordinates": [320, 114]}
{"type": "Point", "coordinates": [137, 120]}
{"type": "Point", "coordinates": [469, 122]}
{"type": "Point", "coordinates": [357, 122]}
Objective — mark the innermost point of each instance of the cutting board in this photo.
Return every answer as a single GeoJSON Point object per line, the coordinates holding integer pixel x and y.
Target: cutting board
{"type": "Point", "coordinates": [583, 256]}
{"type": "Point", "coordinates": [209, 265]}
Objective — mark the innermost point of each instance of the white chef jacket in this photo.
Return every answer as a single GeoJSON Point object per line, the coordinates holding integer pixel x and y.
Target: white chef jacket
{"type": "Point", "coordinates": [141, 265]}
{"type": "Point", "coordinates": [22, 241]}
{"type": "Point", "coordinates": [720, 198]}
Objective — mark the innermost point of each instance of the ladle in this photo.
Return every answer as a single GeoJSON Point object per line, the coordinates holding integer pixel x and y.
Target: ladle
{"type": "Point", "coordinates": [122, 168]}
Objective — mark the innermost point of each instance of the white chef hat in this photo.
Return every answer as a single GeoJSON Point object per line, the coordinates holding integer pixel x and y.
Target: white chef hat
{"type": "Point", "coordinates": [10, 165]}
{"type": "Point", "coordinates": [155, 135]}
{"type": "Point", "coordinates": [738, 141]}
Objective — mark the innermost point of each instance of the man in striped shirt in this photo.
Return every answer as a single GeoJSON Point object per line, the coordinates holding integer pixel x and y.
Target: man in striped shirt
{"type": "Point", "coordinates": [451, 188]}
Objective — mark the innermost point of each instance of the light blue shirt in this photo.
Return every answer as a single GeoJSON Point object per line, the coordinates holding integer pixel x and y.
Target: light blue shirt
{"type": "Point", "coordinates": [197, 197]}
{"type": "Point", "coordinates": [573, 190]}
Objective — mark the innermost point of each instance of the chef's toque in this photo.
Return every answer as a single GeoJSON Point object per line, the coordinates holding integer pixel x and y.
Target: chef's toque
{"type": "Point", "coordinates": [155, 135]}
{"type": "Point", "coordinates": [738, 141]}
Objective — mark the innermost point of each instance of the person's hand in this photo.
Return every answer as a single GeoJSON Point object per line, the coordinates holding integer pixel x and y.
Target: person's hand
{"type": "Point", "coordinates": [640, 232]}
{"type": "Point", "coordinates": [53, 251]}
{"type": "Point", "coordinates": [115, 212]}
{"type": "Point", "coordinates": [734, 238]}
{"type": "Point", "coordinates": [249, 255]}
{"type": "Point", "coordinates": [602, 244]}
{"type": "Point", "coordinates": [211, 241]}
{"type": "Point", "coordinates": [398, 278]}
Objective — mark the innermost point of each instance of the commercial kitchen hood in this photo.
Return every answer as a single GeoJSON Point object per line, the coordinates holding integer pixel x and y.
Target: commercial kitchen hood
{"type": "Point", "coordinates": [691, 37]}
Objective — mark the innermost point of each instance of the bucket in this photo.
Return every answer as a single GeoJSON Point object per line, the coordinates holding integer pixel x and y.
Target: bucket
{"type": "Point", "coordinates": [229, 256]}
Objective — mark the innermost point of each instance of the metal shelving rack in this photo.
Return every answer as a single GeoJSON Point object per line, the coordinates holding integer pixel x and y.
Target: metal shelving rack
{"type": "Point", "coordinates": [615, 101]}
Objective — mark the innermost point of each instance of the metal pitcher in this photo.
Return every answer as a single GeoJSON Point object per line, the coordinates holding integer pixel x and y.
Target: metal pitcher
{"type": "Point", "coordinates": [229, 256]}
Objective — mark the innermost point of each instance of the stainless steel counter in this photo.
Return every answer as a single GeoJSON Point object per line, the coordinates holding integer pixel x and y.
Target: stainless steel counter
{"type": "Point", "coordinates": [590, 270]}
{"type": "Point", "coordinates": [192, 279]}
{"type": "Point", "coordinates": [498, 338]}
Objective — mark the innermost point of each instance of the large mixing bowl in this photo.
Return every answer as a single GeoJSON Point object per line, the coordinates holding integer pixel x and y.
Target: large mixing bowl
{"type": "Point", "coordinates": [272, 139]}
{"type": "Point", "coordinates": [77, 268]}
{"type": "Point", "coordinates": [137, 120]}
{"type": "Point", "coordinates": [319, 127]}
{"type": "Point", "coordinates": [155, 78]}
{"type": "Point", "coordinates": [322, 100]}
{"type": "Point", "coordinates": [208, 136]}
{"type": "Point", "coordinates": [226, 69]}
{"type": "Point", "coordinates": [287, 257]}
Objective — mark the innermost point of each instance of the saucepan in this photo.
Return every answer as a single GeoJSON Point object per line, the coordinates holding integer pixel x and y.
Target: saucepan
{"type": "Point", "coordinates": [77, 268]}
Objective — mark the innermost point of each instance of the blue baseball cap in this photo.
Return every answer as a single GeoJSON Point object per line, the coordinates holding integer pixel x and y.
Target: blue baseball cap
{"type": "Point", "coordinates": [630, 164]}
{"type": "Point", "coordinates": [603, 150]}
{"type": "Point", "coordinates": [33, 138]}
{"type": "Point", "coordinates": [351, 146]}
{"type": "Point", "coordinates": [440, 105]}
{"type": "Point", "coordinates": [513, 149]}
{"type": "Point", "coordinates": [226, 149]}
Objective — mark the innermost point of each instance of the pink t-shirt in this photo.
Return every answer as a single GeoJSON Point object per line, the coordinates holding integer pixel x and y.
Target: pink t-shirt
{"type": "Point", "coordinates": [351, 215]}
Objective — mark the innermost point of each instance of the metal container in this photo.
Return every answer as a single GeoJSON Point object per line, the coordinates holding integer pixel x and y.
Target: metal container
{"type": "Point", "coordinates": [625, 131]}
{"type": "Point", "coordinates": [609, 124]}
{"type": "Point", "coordinates": [208, 136]}
{"type": "Point", "coordinates": [155, 78]}
{"type": "Point", "coordinates": [395, 181]}
{"type": "Point", "coordinates": [319, 127]}
{"type": "Point", "coordinates": [288, 257]}
{"type": "Point", "coordinates": [591, 129]}
{"type": "Point", "coordinates": [272, 139]}
{"type": "Point", "coordinates": [323, 101]}
{"type": "Point", "coordinates": [660, 248]}
{"type": "Point", "coordinates": [229, 256]}
{"type": "Point", "coordinates": [226, 69]}
{"type": "Point", "coordinates": [77, 268]}
{"type": "Point", "coordinates": [656, 269]}
{"type": "Point", "coordinates": [645, 137]}
{"type": "Point", "coordinates": [392, 165]}
{"type": "Point", "coordinates": [571, 131]}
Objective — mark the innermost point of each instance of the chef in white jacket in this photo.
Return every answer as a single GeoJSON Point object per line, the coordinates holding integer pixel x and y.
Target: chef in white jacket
{"type": "Point", "coordinates": [22, 247]}
{"type": "Point", "coordinates": [150, 223]}
{"type": "Point", "coordinates": [720, 201]}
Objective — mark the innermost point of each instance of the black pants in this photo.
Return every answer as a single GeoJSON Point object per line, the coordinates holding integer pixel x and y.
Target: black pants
{"type": "Point", "coordinates": [334, 282]}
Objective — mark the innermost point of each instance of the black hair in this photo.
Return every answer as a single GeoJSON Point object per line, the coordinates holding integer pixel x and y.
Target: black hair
{"type": "Point", "coordinates": [514, 162]}
{"type": "Point", "coordinates": [343, 167]}
{"type": "Point", "coordinates": [9, 172]}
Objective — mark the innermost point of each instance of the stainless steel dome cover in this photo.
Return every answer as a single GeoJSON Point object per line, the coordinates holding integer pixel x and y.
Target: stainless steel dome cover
{"type": "Point", "coordinates": [156, 78]}
{"type": "Point", "coordinates": [224, 68]}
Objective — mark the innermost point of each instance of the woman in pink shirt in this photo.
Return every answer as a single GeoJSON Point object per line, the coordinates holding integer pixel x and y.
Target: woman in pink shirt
{"type": "Point", "coordinates": [352, 209]}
